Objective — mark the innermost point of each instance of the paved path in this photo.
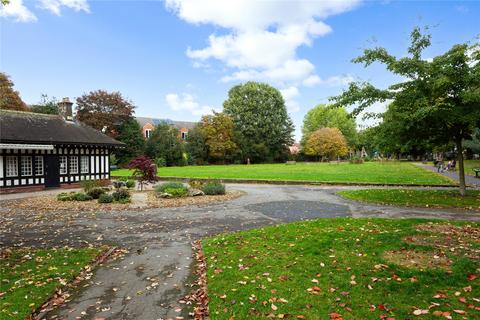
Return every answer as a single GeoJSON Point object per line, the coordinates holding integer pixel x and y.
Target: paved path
{"type": "Point", "coordinates": [149, 282]}
{"type": "Point", "coordinates": [469, 180]}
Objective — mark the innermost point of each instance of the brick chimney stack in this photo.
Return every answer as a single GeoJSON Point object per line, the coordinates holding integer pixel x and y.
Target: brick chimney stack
{"type": "Point", "coordinates": [65, 109]}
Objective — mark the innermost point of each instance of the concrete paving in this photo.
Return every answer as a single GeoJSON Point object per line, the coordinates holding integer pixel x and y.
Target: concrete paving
{"type": "Point", "coordinates": [153, 277]}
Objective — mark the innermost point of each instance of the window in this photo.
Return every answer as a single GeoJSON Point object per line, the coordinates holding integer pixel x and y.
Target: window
{"type": "Point", "coordinates": [39, 165]}
{"type": "Point", "coordinates": [73, 164]}
{"type": "Point", "coordinates": [184, 135]}
{"type": "Point", "coordinates": [63, 165]}
{"type": "Point", "coordinates": [12, 166]}
{"type": "Point", "coordinates": [26, 164]}
{"type": "Point", "coordinates": [148, 133]}
{"type": "Point", "coordinates": [84, 164]}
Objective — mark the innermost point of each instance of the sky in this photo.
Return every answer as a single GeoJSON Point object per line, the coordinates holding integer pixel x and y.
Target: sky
{"type": "Point", "coordinates": [177, 59]}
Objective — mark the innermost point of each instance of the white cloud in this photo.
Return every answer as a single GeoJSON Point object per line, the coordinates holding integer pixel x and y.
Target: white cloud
{"type": "Point", "coordinates": [17, 10]}
{"type": "Point", "coordinates": [187, 102]}
{"type": "Point", "coordinates": [289, 95]}
{"type": "Point", "coordinates": [55, 6]}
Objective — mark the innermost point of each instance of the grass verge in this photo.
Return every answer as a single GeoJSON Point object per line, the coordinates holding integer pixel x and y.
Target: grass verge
{"type": "Point", "coordinates": [397, 173]}
{"type": "Point", "coordinates": [30, 277]}
{"type": "Point", "coordinates": [345, 268]}
{"type": "Point", "coordinates": [421, 198]}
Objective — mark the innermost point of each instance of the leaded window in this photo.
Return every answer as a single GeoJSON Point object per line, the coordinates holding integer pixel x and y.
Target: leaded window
{"type": "Point", "coordinates": [84, 164]}
{"type": "Point", "coordinates": [63, 164]}
{"type": "Point", "coordinates": [39, 165]}
{"type": "Point", "coordinates": [12, 166]}
{"type": "Point", "coordinates": [73, 164]}
{"type": "Point", "coordinates": [26, 165]}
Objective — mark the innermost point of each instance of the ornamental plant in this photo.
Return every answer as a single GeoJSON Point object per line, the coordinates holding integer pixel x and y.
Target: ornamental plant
{"type": "Point", "coordinates": [144, 169]}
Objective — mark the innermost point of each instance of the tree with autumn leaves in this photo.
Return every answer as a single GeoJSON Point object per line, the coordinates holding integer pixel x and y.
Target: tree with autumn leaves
{"type": "Point", "coordinates": [9, 98]}
{"type": "Point", "coordinates": [327, 143]}
{"type": "Point", "coordinates": [217, 130]}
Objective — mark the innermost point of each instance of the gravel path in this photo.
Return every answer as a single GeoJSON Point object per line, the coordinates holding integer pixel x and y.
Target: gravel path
{"type": "Point", "coordinates": [152, 278]}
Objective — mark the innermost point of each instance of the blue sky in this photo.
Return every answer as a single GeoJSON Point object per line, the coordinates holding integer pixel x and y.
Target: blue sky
{"type": "Point", "coordinates": [177, 59]}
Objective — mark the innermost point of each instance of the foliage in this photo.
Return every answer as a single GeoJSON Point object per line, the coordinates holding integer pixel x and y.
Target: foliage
{"type": "Point", "coordinates": [129, 132]}
{"type": "Point", "coordinates": [121, 194]}
{"type": "Point", "coordinates": [65, 196]}
{"type": "Point", "coordinates": [263, 128]}
{"type": "Point", "coordinates": [196, 184]}
{"type": "Point", "coordinates": [217, 130]}
{"type": "Point", "coordinates": [213, 188]}
{"type": "Point", "coordinates": [46, 105]}
{"type": "Point", "coordinates": [169, 185]}
{"type": "Point", "coordinates": [9, 98]}
{"type": "Point", "coordinates": [144, 170]}
{"type": "Point", "coordinates": [327, 143]}
{"type": "Point", "coordinates": [326, 116]}
{"type": "Point", "coordinates": [356, 160]}
{"type": "Point", "coordinates": [130, 184]}
{"type": "Point", "coordinates": [80, 196]}
{"type": "Point", "coordinates": [160, 162]}
{"type": "Point", "coordinates": [340, 269]}
{"type": "Point", "coordinates": [424, 198]}
{"type": "Point", "coordinates": [87, 185]}
{"type": "Point", "coordinates": [436, 102]}
{"type": "Point", "coordinates": [164, 143]}
{"type": "Point", "coordinates": [49, 269]}
{"type": "Point", "coordinates": [474, 142]}
{"type": "Point", "coordinates": [105, 198]}
{"type": "Point", "coordinates": [177, 192]}
{"type": "Point", "coordinates": [104, 110]}
{"type": "Point", "coordinates": [196, 147]}
{"type": "Point", "coordinates": [95, 193]}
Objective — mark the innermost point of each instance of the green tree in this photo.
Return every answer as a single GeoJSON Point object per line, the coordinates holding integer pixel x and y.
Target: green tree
{"type": "Point", "coordinates": [104, 111]}
{"type": "Point", "coordinates": [165, 143]}
{"type": "Point", "coordinates": [129, 132]}
{"type": "Point", "coordinates": [217, 129]}
{"type": "Point", "coordinates": [196, 147]}
{"type": "Point", "coordinates": [326, 116]}
{"type": "Point", "coordinates": [436, 101]}
{"type": "Point", "coordinates": [46, 105]}
{"type": "Point", "coordinates": [327, 143]}
{"type": "Point", "coordinates": [263, 127]}
{"type": "Point", "coordinates": [9, 98]}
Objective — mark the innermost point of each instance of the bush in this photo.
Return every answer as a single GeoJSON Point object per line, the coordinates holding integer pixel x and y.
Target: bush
{"type": "Point", "coordinates": [161, 162]}
{"type": "Point", "coordinates": [177, 192]}
{"type": "Point", "coordinates": [169, 185]}
{"type": "Point", "coordinates": [121, 194]}
{"type": "Point", "coordinates": [64, 196]}
{"type": "Point", "coordinates": [130, 184]}
{"type": "Point", "coordinates": [124, 200]}
{"type": "Point", "coordinates": [80, 196]}
{"type": "Point", "coordinates": [87, 185]}
{"type": "Point", "coordinates": [213, 188]}
{"type": "Point", "coordinates": [95, 193]}
{"type": "Point", "coordinates": [196, 184]}
{"type": "Point", "coordinates": [105, 198]}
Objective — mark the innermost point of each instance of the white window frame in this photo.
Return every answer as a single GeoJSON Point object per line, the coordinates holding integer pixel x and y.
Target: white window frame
{"type": "Point", "coordinates": [148, 133]}
{"type": "Point", "coordinates": [73, 165]}
{"type": "Point", "coordinates": [84, 164]}
{"type": "Point", "coordinates": [39, 165]}
{"type": "Point", "coordinates": [11, 163]}
{"type": "Point", "coordinates": [26, 167]}
{"type": "Point", "coordinates": [184, 135]}
{"type": "Point", "coordinates": [63, 164]}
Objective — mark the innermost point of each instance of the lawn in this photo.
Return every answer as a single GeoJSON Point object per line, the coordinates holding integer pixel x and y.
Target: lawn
{"type": "Point", "coordinates": [345, 268]}
{"type": "Point", "coordinates": [422, 198]}
{"type": "Point", "coordinates": [30, 277]}
{"type": "Point", "coordinates": [367, 173]}
{"type": "Point", "coordinates": [469, 165]}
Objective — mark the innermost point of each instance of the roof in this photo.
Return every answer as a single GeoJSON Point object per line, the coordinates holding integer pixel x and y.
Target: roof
{"type": "Point", "coordinates": [156, 121]}
{"type": "Point", "coordinates": [29, 127]}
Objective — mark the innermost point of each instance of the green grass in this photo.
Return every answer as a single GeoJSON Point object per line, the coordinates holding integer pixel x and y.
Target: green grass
{"type": "Point", "coordinates": [369, 173]}
{"type": "Point", "coordinates": [249, 273]}
{"type": "Point", "coordinates": [423, 198]}
{"type": "Point", "coordinates": [469, 165]}
{"type": "Point", "coordinates": [30, 277]}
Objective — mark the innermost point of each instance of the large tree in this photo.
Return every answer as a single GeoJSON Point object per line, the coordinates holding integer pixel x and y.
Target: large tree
{"type": "Point", "coordinates": [46, 105]}
{"type": "Point", "coordinates": [326, 116]}
{"type": "Point", "coordinates": [129, 132]}
{"type": "Point", "coordinates": [263, 127]}
{"type": "Point", "coordinates": [196, 147]}
{"type": "Point", "coordinates": [9, 98]}
{"type": "Point", "coordinates": [104, 110]}
{"type": "Point", "coordinates": [328, 143]}
{"type": "Point", "coordinates": [164, 143]}
{"type": "Point", "coordinates": [436, 101]}
{"type": "Point", "coordinates": [217, 129]}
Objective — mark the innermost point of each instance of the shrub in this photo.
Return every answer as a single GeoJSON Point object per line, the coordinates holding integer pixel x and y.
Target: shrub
{"type": "Point", "coordinates": [95, 193]}
{"type": "Point", "coordinates": [214, 188]}
{"type": "Point", "coordinates": [169, 185]}
{"type": "Point", "coordinates": [161, 162]}
{"type": "Point", "coordinates": [196, 184]}
{"type": "Point", "coordinates": [87, 185]}
{"type": "Point", "coordinates": [105, 198]}
{"type": "Point", "coordinates": [80, 196]}
{"type": "Point", "coordinates": [121, 194]}
{"type": "Point", "coordinates": [64, 196]}
{"type": "Point", "coordinates": [130, 184]}
{"type": "Point", "coordinates": [124, 200]}
{"type": "Point", "coordinates": [177, 192]}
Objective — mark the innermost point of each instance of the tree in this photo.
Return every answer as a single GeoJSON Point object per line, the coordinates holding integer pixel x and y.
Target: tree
{"type": "Point", "coordinates": [325, 116]}
{"type": "Point", "coordinates": [129, 132]}
{"type": "Point", "coordinates": [144, 170]}
{"type": "Point", "coordinates": [217, 130]}
{"type": "Point", "coordinates": [437, 101]}
{"type": "Point", "coordinates": [326, 143]}
{"type": "Point", "coordinates": [104, 111]}
{"type": "Point", "coordinates": [46, 105]}
{"type": "Point", "coordinates": [165, 143]}
{"type": "Point", "coordinates": [263, 127]}
{"type": "Point", "coordinates": [196, 147]}
{"type": "Point", "coordinates": [9, 98]}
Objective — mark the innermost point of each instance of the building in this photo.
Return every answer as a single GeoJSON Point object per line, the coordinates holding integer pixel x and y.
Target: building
{"type": "Point", "coordinates": [39, 151]}
{"type": "Point", "coordinates": [148, 124]}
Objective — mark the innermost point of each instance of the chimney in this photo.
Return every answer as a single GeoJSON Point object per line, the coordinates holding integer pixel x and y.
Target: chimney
{"type": "Point", "coordinates": [65, 109]}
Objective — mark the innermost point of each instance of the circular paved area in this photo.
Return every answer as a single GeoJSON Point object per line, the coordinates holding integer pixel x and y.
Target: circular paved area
{"type": "Point", "coordinates": [159, 242]}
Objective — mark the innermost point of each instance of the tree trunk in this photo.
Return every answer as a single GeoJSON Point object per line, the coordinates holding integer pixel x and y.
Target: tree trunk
{"type": "Point", "coordinates": [461, 168]}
